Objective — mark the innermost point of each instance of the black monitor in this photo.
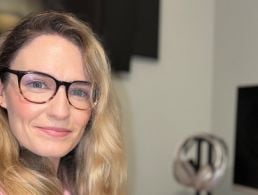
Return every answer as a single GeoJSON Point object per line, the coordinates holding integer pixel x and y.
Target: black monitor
{"type": "Point", "coordinates": [246, 141]}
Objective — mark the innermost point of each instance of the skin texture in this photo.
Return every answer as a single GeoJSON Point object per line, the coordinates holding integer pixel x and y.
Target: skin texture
{"type": "Point", "coordinates": [54, 128]}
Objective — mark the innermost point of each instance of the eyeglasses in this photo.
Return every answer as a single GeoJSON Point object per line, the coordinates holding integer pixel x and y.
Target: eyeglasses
{"type": "Point", "coordinates": [39, 88]}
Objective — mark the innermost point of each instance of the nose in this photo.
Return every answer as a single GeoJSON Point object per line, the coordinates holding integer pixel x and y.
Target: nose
{"type": "Point", "coordinates": [59, 106]}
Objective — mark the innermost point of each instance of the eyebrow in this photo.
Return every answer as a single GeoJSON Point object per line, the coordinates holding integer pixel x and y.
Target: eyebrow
{"type": "Point", "coordinates": [6, 69]}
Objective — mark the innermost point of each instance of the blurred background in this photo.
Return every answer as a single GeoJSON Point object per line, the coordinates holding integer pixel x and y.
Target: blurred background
{"type": "Point", "coordinates": [205, 50]}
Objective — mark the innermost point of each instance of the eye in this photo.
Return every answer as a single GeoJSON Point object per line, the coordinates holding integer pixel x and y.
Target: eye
{"type": "Point", "coordinates": [37, 82]}
{"type": "Point", "coordinates": [80, 93]}
{"type": "Point", "coordinates": [80, 90]}
{"type": "Point", "coordinates": [36, 85]}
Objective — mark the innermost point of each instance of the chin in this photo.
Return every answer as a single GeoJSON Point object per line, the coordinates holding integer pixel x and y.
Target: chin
{"type": "Point", "coordinates": [52, 153]}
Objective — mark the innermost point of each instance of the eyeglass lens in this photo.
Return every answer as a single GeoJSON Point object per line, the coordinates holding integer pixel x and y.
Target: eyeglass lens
{"type": "Point", "coordinates": [39, 88]}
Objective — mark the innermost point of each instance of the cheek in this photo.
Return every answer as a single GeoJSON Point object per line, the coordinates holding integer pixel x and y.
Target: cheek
{"type": "Point", "coordinates": [19, 111]}
{"type": "Point", "coordinates": [81, 119]}
{"type": "Point", "coordinates": [17, 104]}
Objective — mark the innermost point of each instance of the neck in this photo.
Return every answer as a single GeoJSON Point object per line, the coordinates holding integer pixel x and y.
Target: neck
{"type": "Point", "coordinates": [55, 162]}
{"type": "Point", "coordinates": [35, 162]}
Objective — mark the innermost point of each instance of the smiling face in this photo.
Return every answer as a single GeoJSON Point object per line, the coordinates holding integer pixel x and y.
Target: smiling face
{"type": "Point", "coordinates": [54, 128]}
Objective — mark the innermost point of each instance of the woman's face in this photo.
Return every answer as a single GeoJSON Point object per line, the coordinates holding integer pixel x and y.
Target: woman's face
{"type": "Point", "coordinates": [54, 128]}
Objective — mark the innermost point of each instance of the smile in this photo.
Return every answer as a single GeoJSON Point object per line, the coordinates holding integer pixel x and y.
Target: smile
{"type": "Point", "coordinates": [55, 131]}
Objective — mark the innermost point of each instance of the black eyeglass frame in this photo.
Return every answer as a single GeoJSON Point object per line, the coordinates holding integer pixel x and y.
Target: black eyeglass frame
{"type": "Point", "coordinates": [59, 83]}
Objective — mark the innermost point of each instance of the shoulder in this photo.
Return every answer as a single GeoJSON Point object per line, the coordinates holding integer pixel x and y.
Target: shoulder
{"type": "Point", "coordinates": [66, 192]}
{"type": "Point", "coordinates": [1, 190]}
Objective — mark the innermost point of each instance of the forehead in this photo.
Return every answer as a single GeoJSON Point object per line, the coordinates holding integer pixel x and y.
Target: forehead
{"type": "Point", "coordinates": [52, 54]}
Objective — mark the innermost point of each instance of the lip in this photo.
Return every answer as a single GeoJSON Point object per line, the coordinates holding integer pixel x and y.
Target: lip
{"type": "Point", "coordinates": [55, 131]}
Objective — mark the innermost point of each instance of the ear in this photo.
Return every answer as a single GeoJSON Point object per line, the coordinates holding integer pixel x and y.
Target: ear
{"type": "Point", "coordinates": [2, 95]}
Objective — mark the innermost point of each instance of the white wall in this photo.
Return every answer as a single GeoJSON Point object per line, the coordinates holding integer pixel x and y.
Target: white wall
{"type": "Point", "coordinates": [165, 101]}
{"type": "Point", "coordinates": [236, 63]}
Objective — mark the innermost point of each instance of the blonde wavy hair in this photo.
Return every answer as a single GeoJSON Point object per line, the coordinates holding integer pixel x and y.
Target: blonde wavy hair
{"type": "Point", "coordinates": [96, 166]}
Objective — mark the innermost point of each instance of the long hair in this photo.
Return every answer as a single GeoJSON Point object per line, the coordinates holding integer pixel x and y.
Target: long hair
{"type": "Point", "coordinates": [96, 166]}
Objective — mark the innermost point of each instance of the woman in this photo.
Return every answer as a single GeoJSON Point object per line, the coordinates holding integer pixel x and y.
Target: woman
{"type": "Point", "coordinates": [59, 123]}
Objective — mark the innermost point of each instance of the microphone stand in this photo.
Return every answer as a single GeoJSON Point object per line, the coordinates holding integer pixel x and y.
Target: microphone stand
{"type": "Point", "coordinates": [199, 157]}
